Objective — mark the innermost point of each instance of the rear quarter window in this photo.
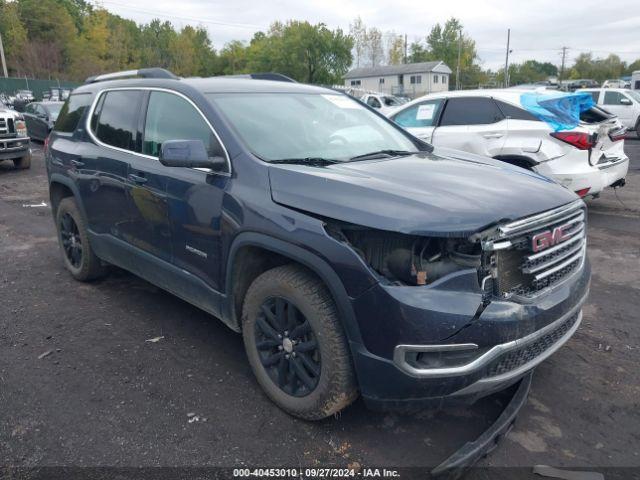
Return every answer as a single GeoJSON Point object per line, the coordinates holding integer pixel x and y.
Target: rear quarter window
{"type": "Point", "coordinates": [515, 113]}
{"type": "Point", "coordinates": [71, 113]}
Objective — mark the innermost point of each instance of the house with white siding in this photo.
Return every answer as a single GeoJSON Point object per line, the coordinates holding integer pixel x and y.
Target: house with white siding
{"type": "Point", "coordinates": [411, 79]}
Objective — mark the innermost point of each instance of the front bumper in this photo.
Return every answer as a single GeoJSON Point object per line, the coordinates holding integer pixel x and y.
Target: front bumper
{"type": "Point", "coordinates": [11, 148]}
{"type": "Point", "coordinates": [510, 339]}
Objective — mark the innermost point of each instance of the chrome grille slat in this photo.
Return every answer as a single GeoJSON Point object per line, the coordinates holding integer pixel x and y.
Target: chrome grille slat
{"type": "Point", "coordinates": [551, 263]}
{"type": "Point", "coordinates": [540, 220]}
{"type": "Point", "coordinates": [576, 236]}
{"type": "Point", "coordinates": [523, 272]}
{"type": "Point", "coordinates": [569, 261]}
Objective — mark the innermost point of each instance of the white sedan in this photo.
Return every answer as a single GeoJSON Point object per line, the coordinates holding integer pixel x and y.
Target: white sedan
{"type": "Point", "coordinates": [586, 158]}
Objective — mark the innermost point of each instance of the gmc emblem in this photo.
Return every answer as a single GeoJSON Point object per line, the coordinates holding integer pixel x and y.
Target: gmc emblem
{"type": "Point", "coordinates": [549, 238]}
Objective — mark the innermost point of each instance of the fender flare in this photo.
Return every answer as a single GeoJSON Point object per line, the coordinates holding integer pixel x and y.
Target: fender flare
{"type": "Point", "coordinates": [310, 260]}
{"type": "Point", "coordinates": [69, 183]}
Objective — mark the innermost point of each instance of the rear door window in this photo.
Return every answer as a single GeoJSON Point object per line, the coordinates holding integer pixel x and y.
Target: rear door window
{"type": "Point", "coordinates": [470, 111]}
{"type": "Point", "coordinates": [423, 114]}
{"type": "Point", "coordinates": [171, 117]}
{"type": "Point", "coordinates": [115, 120]}
{"type": "Point", "coordinates": [72, 112]}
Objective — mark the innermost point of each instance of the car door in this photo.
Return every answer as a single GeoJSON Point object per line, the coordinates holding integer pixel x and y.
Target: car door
{"type": "Point", "coordinates": [621, 105]}
{"type": "Point", "coordinates": [420, 118]}
{"type": "Point", "coordinates": [101, 165]}
{"type": "Point", "coordinates": [42, 115]}
{"type": "Point", "coordinates": [524, 132]}
{"type": "Point", "coordinates": [194, 196]}
{"type": "Point", "coordinates": [471, 124]}
{"type": "Point", "coordinates": [29, 115]}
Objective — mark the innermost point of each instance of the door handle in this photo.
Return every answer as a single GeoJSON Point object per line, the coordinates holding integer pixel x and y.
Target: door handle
{"type": "Point", "coordinates": [77, 163]}
{"type": "Point", "coordinates": [137, 179]}
{"type": "Point", "coordinates": [492, 135]}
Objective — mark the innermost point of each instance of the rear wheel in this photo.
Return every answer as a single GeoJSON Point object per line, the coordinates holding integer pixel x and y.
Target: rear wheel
{"type": "Point", "coordinates": [22, 162]}
{"type": "Point", "coordinates": [77, 254]}
{"type": "Point", "coordinates": [295, 343]}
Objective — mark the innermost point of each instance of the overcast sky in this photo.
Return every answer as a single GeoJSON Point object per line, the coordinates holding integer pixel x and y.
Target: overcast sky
{"type": "Point", "coordinates": [539, 28]}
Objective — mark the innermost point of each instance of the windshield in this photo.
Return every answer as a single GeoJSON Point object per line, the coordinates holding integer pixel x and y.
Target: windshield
{"type": "Point", "coordinates": [54, 110]}
{"type": "Point", "coordinates": [279, 126]}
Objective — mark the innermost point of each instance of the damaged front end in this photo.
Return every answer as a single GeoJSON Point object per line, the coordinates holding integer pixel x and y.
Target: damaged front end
{"type": "Point", "coordinates": [410, 260]}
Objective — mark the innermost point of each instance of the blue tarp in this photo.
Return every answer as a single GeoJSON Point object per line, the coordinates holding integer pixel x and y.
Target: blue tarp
{"type": "Point", "coordinates": [560, 110]}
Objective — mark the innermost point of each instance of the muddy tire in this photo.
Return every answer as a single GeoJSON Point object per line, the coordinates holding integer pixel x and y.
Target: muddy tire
{"type": "Point", "coordinates": [296, 345]}
{"type": "Point", "coordinates": [77, 254]}
{"type": "Point", "coordinates": [22, 162]}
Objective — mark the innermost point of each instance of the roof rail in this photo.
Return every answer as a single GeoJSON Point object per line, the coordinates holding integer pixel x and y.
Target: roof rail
{"type": "Point", "coordinates": [276, 77]}
{"type": "Point", "coordinates": [142, 72]}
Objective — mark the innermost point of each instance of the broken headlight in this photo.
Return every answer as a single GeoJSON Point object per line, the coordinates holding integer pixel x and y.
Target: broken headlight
{"type": "Point", "coordinates": [408, 259]}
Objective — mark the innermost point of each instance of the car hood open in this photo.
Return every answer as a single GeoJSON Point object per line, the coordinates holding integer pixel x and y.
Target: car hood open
{"type": "Point", "coordinates": [444, 193]}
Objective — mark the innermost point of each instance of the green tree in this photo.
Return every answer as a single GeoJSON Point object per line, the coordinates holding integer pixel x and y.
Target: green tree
{"type": "Point", "coordinates": [305, 52]}
{"type": "Point", "coordinates": [14, 36]}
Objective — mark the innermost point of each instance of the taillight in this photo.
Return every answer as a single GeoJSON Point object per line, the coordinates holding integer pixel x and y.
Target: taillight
{"type": "Point", "coordinates": [46, 145]}
{"type": "Point", "coordinates": [580, 140]}
{"type": "Point", "coordinates": [581, 193]}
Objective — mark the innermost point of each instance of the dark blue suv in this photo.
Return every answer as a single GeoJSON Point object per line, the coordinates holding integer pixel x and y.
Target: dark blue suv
{"type": "Point", "coordinates": [353, 257]}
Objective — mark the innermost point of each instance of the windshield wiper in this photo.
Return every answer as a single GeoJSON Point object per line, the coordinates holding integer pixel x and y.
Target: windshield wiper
{"type": "Point", "coordinates": [383, 154]}
{"type": "Point", "coordinates": [306, 161]}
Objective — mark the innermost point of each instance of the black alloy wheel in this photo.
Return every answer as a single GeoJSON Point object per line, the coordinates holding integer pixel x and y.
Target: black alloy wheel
{"type": "Point", "coordinates": [287, 347]}
{"type": "Point", "coordinates": [71, 240]}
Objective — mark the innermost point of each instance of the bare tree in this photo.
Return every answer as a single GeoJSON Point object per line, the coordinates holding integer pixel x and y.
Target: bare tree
{"type": "Point", "coordinates": [358, 31]}
{"type": "Point", "coordinates": [375, 47]}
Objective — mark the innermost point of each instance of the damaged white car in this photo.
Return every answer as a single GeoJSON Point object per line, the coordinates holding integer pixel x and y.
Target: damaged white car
{"type": "Point", "coordinates": [563, 136]}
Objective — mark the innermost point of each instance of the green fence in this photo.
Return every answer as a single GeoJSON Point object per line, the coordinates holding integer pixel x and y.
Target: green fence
{"type": "Point", "coordinates": [11, 84]}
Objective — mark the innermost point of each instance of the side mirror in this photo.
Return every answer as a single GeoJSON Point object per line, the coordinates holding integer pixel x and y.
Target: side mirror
{"type": "Point", "coordinates": [625, 101]}
{"type": "Point", "coordinates": [189, 154]}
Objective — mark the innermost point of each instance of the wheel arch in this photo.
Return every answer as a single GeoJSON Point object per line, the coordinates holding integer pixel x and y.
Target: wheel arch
{"type": "Point", "coordinates": [61, 187]}
{"type": "Point", "coordinates": [242, 268]}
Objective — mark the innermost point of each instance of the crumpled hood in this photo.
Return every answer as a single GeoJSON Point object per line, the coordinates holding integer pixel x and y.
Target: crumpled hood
{"type": "Point", "coordinates": [444, 193]}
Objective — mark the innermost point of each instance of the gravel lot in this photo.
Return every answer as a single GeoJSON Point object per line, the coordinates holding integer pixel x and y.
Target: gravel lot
{"type": "Point", "coordinates": [81, 385]}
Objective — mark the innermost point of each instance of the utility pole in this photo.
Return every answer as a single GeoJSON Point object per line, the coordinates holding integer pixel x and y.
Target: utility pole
{"type": "Point", "coordinates": [4, 61]}
{"type": "Point", "coordinates": [564, 55]}
{"type": "Point", "coordinates": [506, 62]}
{"type": "Point", "coordinates": [405, 49]}
{"type": "Point", "coordinates": [458, 65]}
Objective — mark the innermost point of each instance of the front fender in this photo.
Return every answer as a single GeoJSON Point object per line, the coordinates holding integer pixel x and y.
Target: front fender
{"type": "Point", "coordinates": [314, 263]}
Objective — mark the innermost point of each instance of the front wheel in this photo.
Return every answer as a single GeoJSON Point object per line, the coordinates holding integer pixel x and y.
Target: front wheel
{"type": "Point", "coordinates": [296, 345]}
{"type": "Point", "coordinates": [23, 162]}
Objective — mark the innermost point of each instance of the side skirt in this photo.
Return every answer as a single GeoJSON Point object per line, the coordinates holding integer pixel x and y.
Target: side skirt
{"type": "Point", "coordinates": [162, 274]}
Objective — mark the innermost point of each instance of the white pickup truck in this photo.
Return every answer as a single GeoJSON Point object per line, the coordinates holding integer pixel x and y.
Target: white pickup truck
{"type": "Point", "coordinates": [622, 102]}
{"type": "Point", "coordinates": [14, 141]}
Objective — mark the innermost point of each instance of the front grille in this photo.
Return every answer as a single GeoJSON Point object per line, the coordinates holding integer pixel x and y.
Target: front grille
{"type": "Point", "coordinates": [523, 355]}
{"type": "Point", "coordinates": [560, 235]}
{"type": "Point", "coordinates": [7, 128]}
